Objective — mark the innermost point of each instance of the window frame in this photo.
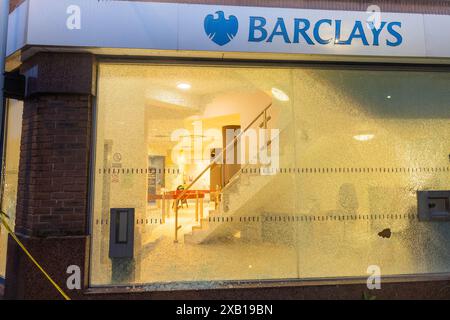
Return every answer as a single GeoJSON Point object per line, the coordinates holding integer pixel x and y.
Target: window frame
{"type": "Point", "coordinates": [3, 149]}
{"type": "Point", "coordinates": [244, 63]}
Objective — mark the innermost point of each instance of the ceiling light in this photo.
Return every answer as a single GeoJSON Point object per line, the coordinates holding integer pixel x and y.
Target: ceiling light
{"type": "Point", "coordinates": [280, 95]}
{"type": "Point", "coordinates": [364, 137]}
{"type": "Point", "coordinates": [184, 86]}
{"type": "Point", "coordinates": [181, 158]}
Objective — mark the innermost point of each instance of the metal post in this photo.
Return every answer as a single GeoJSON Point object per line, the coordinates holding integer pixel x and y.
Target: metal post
{"type": "Point", "coordinates": [4, 14]}
{"type": "Point", "coordinates": [216, 198]}
{"type": "Point", "coordinates": [176, 223]}
{"type": "Point", "coordinates": [177, 227]}
{"type": "Point", "coordinates": [167, 206]}
{"type": "Point", "coordinates": [196, 206]}
{"type": "Point", "coordinates": [163, 206]}
{"type": "Point", "coordinates": [265, 119]}
{"type": "Point", "coordinates": [201, 207]}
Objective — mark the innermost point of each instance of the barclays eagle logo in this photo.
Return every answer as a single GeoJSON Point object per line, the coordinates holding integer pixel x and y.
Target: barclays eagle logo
{"type": "Point", "coordinates": [221, 30]}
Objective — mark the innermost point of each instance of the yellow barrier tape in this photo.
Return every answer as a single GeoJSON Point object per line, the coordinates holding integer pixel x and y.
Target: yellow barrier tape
{"type": "Point", "coordinates": [13, 235]}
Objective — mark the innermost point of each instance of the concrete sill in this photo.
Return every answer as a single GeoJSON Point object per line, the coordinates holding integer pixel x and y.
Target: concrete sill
{"type": "Point", "coordinates": [221, 285]}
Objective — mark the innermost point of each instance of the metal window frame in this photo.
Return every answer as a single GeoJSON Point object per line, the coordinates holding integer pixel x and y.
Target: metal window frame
{"type": "Point", "coordinates": [3, 138]}
{"type": "Point", "coordinates": [240, 63]}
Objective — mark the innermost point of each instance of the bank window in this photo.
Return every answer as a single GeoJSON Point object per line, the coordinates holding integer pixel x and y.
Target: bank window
{"type": "Point", "coordinates": [10, 171]}
{"type": "Point", "coordinates": [263, 173]}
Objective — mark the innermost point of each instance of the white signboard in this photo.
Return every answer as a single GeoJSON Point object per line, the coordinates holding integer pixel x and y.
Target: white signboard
{"type": "Point", "coordinates": [162, 26]}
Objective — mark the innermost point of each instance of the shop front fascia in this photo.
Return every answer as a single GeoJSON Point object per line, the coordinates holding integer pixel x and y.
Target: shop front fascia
{"type": "Point", "coordinates": [60, 51]}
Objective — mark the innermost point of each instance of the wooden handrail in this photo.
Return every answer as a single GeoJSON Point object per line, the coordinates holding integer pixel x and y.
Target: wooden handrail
{"type": "Point", "coordinates": [213, 162]}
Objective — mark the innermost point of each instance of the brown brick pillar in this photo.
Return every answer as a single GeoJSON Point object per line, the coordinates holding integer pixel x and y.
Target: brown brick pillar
{"type": "Point", "coordinates": [52, 201]}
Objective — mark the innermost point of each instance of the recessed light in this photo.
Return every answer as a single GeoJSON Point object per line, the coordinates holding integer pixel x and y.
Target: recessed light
{"type": "Point", "coordinates": [184, 86]}
{"type": "Point", "coordinates": [364, 137]}
{"type": "Point", "coordinates": [280, 95]}
{"type": "Point", "coordinates": [388, 97]}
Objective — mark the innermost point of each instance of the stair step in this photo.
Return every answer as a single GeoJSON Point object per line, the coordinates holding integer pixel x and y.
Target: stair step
{"type": "Point", "coordinates": [232, 199]}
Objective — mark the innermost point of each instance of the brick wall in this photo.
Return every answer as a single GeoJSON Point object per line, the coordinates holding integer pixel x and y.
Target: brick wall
{"type": "Point", "coordinates": [53, 176]}
{"type": "Point", "coordinates": [52, 198]}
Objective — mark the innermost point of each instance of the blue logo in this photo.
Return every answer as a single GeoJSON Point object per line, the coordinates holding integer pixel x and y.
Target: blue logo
{"type": "Point", "coordinates": [221, 30]}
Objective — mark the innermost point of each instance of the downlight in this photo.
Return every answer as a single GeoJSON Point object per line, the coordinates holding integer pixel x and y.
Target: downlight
{"type": "Point", "coordinates": [280, 95]}
{"type": "Point", "coordinates": [364, 137]}
{"type": "Point", "coordinates": [184, 86]}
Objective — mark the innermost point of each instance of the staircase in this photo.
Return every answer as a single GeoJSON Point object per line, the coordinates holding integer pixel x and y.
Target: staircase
{"type": "Point", "coordinates": [236, 199]}
{"type": "Point", "coordinates": [239, 196]}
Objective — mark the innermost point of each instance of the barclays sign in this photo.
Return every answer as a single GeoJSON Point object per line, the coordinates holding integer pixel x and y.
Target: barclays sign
{"type": "Point", "coordinates": [310, 34]}
{"type": "Point", "coordinates": [222, 30]}
{"type": "Point", "coordinates": [225, 30]}
{"type": "Point", "coordinates": [297, 31]}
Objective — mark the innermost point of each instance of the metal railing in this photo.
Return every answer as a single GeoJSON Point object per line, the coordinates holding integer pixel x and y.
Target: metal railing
{"type": "Point", "coordinates": [266, 119]}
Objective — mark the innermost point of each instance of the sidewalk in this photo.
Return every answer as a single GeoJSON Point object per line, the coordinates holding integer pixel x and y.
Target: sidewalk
{"type": "Point", "coordinates": [2, 288]}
